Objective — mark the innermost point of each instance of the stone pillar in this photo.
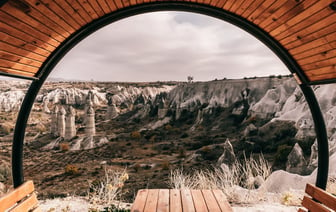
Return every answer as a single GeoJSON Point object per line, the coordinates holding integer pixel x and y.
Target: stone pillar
{"type": "Point", "coordinates": [45, 102]}
{"type": "Point", "coordinates": [112, 112]}
{"type": "Point", "coordinates": [90, 128]}
{"type": "Point", "coordinates": [70, 127]}
{"type": "Point", "coordinates": [61, 122]}
{"type": "Point", "coordinates": [54, 121]}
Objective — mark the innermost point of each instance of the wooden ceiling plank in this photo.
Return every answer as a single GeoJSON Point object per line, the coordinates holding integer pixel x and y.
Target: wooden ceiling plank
{"type": "Point", "coordinates": [97, 8]}
{"type": "Point", "coordinates": [23, 44]}
{"type": "Point", "coordinates": [78, 9]}
{"type": "Point", "coordinates": [292, 43]}
{"type": "Point", "coordinates": [278, 13]}
{"type": "Point", "coordinates": [120, 5]}
{"type": "Point", "coordinates": [26, 37]}
{"type": "Point", "coordinates": [268, 12]}
{"type": "Point", "coordinates": [322, 71]}
{"type": "Point", "coordinates": [295, 11]}
{"type": "Point", "coordinates": [321, 77]}
{"type": "Point", "coordinates": [19, 51]}
{"type": "Point", "coordinates": [236, 5]}
{"type": "Point", "coordinates": [48, 16]}
{"type": "Point", "coordinates": [256, 4]}
{"type": "Point", "coordinates": [112, 5]}
{"type": "Point", "coordinates": [220, 4]}
{"type": "Point", "coordinates": [16, 72]}
{"type": "Point", "coordinates": [318, 57]}
{"type": "Point", "coordinates": [72, 12]}
{"type": "Point", "coordinates": [19, 59]}
{"type": "Point", "coordinates": [324, 49]}
{"type": "Point", "coordinates": [18, 66]}
{"type": "Point", "coordinates": [314, 18]}
{"type": "Point", "coordinates": [36, 29]}
{"type": "Point", "coordinates": [260, 10]}
{"type": "Point", "coordinates": [319, 64]}
{"type": "Point", "coordinates": [228, 4]}
{"type": "Point", "coordinates": [104, 6]}
{"type": "Point", "coordinates": [87, 6]}
{"type": "Point", "coordinates": [243, 7]}
{"type": "Point", "coordinates": [309, 11]}
{"type": "Point", "coordinates": [313, 44]}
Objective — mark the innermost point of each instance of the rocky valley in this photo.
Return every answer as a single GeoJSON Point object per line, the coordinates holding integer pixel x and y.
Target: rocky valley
{"type": "Point", "coordinates": [78, 129]}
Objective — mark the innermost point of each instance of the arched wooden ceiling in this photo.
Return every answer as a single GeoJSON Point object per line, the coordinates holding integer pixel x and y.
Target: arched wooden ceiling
{"type": "Point", "coordinates": [31, 30]}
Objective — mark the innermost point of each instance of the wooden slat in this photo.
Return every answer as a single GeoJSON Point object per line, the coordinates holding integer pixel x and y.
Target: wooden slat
{"type": "Point", "coordinates": [243, 7]}
{"type": "Point", "coordinates": [27, 204]}
{"type": "Point", "coordinates": [17, 66]}
{"type": "Point", "coordinates": [313, 206]}
{"type": "Point", "coordinates": [23, 44]}
{"type": "Point", "coordinates": [99, 11]}
{"type": "Point", "coordinates": [199, 202]}
{"type": "Point", "coordinates": [220, 3]}
{"type": "Point", "coordinates": [314, 18]}
{"type": "Point", "coordinates": [16, 58]}
{"type": "Point", "coordinates": [152, 200]}
{"type": "Point", "coordinates": [119, 4]}
{"type": "Point", "coordinates": [210, 201]}
{"type": "Point", "coordinates": [11, 198]}
{"type": "Point", "coordinates": [78, 9]}
{"type": "Point", "coordinates": [255, 4]}
{"type": "Point", "coordinates": [236, 5]}
{"type": "Point", "coordinates": [163, 201]}
{"type": "Point", "coordinates": [19, 51]}
{"type": "Point", "coordinates": [313, 44]}
{"type": "Point", "coordinates": [228, 4]}
{"type": "Point", "coordinates": [104, 6]}
{"type": "Point", "coordinates": [86, 5]}
{"type": "Point", "coordinates": [72, 11]}
{"type": "Point", "coordinates": [319, 64]}
{"type": "Point", "coordinates": [175, 203]}
{"type": "Point", "coordinates": [38, 21]}
{"type": "Point", "coordinates": [324, 49]}
{"type": "Point", "coordinates": [16, 72]}
{"type": "Point", "coordinates": [187, 201]}
{"type": "Point", "coordinates": [321, 71]}
{"type": "Point", "coordinates": [309, 11]}
{"type": "Point", "coordinates": [221, 199]}
{"type": "Point", "coordinates": [140, 201]}
{"type": "Point", "coordinates": [321, 77]}
{"type": "Point", "coordinates": [42, 33]}
{"type": "Point", "coordinates": [321, 195]}
{"type": "Point", "coordinates": [268, 13]}
{"type": "Point", "coordinates": [260, 10]}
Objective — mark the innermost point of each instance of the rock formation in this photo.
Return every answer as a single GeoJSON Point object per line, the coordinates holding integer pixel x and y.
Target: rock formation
{"type": "Point", "coordinates": [54, 121]}
{"type": "Point", "coordinates": [90, 128]}
{"type": "Point", "coordinates": [70, 127]}
{"type": "Point", "coordinates": [112, 110]}
{"type": "Point", "coordinates": [61, 122]}
{"type": "Point", "coordinates": [296, 162]}
{"type": "Point", "coordinates": [163, 109]}
{"type": "Point", "coordinates": [228, 157]}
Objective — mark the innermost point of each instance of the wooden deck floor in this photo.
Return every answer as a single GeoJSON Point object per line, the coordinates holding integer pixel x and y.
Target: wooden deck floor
{"type": "Point", "coordinates": [173, 200]}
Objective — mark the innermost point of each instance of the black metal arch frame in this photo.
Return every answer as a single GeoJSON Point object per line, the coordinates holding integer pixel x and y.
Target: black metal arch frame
{"type": "Point", "coordinates": [69, 43]}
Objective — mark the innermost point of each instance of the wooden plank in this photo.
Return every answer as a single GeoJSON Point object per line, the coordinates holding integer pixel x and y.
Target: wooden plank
{"type": "Point", "coordinates": [119, 4]}
{"type": "Point", "coordinates": [228, 4]}
{"type": "Point", "coordinates": [175, 200]}
{"type": "Point", "coordinates": [260, 10]}
{"type": "Point", "coordinates": [236, 5]}
{"type": "Point", "coordinates": [72, 12]}
{"type": "Point", "coordinates": [309, 11]}
{"type": "Point", "coordinates": [255, 4]}
{"type": "Point", "coordinates": [26, 37]}
{"type": "Point", "coordinates": [105, 7]}
{"type": "Point", "coordinates": [210, 201]}
{"type": "Point", "coordinates": [19, 59]}
{"type": "Point", "coordinates": [17, 66]}
{"type": "Point", "coordinates": [163, 201]}
{"type": "Point", "coordinates": [187, 201]}
{"type": "Point", "coordinates": [287, 15]}
{"type": "Point", "coordinates": [316, 78]}
{"type": "Point", "coordinates": [18, 51]}
{"type": "Point", "coordinates": [88, 8]}
{"type": "Point", "coordinates": [11, 198]}
{"type": "Point", "coordinates": [293, 41]}
{"type": "Point", "coordinates": [23, 44]}
{"type": "Point", "coordinates": [16, 72]}
{"type": "Point", "coordinates": [268, 13]}
{"type": "Point", "coordinates": [221, 200]}
{"type": "Point", "coordinates": [78, 9]}
{"type": "Point", "coordinates": [243, 7]}
{"type": "Point", "coordinates": [323, 49]}
{"type": "Point", "coordinates": [313, 44]}
{"type": "Point", "coordinates": [99, 11]}
{"type": "Point", "coordinates": [321, 195]}
{"type": "Point", "coordinates": [152, 200]}
{"type": "Point", "coordinates": [198, 200]}
{"type": "Point", "coordinates": [27, 205]}
{"type": "Point", "coordinates": [318, 57]}
{"type": "Point", "coordinates": [140, 201]}
{"type": "Point", "coordinates": [45, 35]}
{"type": "Point", "coordinates": [220, 4]}
{"type": "Point", "coordinates": [316, 17]}
{"type": "Point", "coordinates": [38, 20]}
{"type": "Point", "coordinates": [313, 206]}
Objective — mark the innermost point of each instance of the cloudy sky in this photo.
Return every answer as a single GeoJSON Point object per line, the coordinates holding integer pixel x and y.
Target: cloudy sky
{"type": "Point", "coordinates": [164, 46]}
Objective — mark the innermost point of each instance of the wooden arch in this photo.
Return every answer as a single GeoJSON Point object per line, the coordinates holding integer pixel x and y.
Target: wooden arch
{"type": "Point", "coordinates": [36, 34]}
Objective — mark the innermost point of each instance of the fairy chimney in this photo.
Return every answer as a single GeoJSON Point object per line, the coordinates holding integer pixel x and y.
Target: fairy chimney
{"type": "Point", "coordinates": [70, 127]}
{"type": "Point", "coordinates": [61, 122]}
{"type": "Point", "coordinates": [90, 129]}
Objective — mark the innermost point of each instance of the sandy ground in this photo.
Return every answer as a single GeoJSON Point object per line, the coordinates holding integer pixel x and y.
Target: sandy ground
{"type": "Point", "coordinates": [78, 204]}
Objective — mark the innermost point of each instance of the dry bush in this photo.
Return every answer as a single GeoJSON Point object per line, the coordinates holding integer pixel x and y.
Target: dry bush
{"type": "Point", "coordinates": [71, 169]}
{"type": "Point", "coordinates": [105, 192]}
{"type": "Point", "coordinates": [65, 146]}
{"type": "Point", "coordinates": [136, 135]}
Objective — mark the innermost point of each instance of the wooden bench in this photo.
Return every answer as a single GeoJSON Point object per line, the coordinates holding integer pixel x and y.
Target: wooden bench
{"type": "Point", "coordinates": [165, 200]}
{"type": "Point", "coordinates": [319, 200]}
{"type": "Point", "coordinates": [21, 199]}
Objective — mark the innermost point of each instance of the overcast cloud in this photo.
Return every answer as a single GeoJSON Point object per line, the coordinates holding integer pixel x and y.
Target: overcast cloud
{"type": "Point", "coordinates": [168, 46]}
